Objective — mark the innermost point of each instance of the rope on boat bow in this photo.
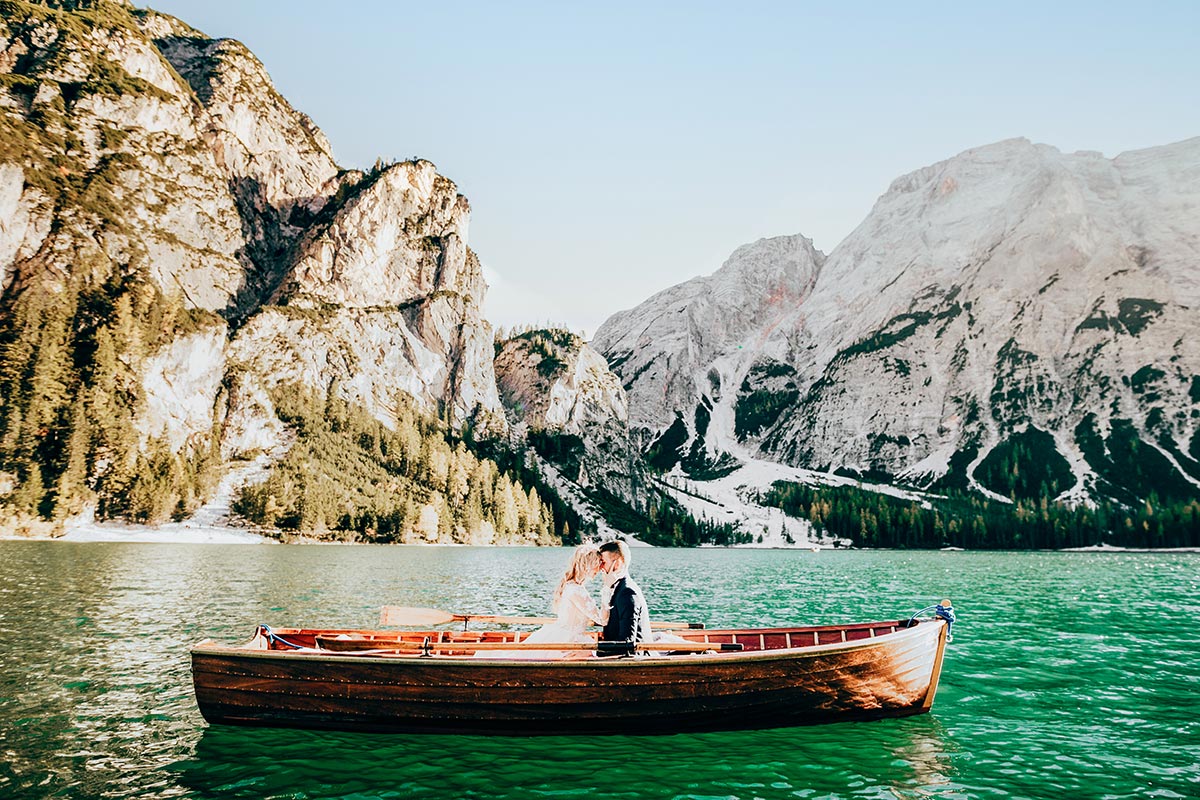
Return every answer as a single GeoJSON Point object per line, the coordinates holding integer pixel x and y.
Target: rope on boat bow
{"type": "Point", "coordinates": [266, 629]}
{"type": "Point", "coordinates": [942, 610]}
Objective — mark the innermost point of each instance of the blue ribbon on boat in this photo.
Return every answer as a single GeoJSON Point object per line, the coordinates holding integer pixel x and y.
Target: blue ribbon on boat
{"type": "Point", "coordinates": [946, 613]}
{"type": "Point", "coordinates": [940, 612]}
{"type": "Point", "coordinates": [272, 637]}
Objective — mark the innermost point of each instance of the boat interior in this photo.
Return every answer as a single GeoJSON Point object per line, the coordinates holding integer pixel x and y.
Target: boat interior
{"type": "Point", "coordinates": [467, 642]}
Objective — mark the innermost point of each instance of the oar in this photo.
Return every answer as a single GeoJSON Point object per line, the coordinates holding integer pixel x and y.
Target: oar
{"type": "Point", "coordinates": [613, 647]}
{"type": "Point", "coordinates": [414, 615]}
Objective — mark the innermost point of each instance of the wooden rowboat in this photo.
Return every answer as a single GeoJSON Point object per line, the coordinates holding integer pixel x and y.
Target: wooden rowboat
{"type": "Point", "coordinates": [455, 682]}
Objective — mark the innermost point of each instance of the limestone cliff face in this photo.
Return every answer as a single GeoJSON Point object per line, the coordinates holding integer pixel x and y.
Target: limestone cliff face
{"type": "Point", "coordinates": [279, 166]}
{"type": "Point", "coordinates": [180, 384]}
{"type": "Point", "coordinates": [105, 133]}
{"type": "Point", "coordinates": [1011, 291]}
{"type": "Point", "coordinates": [192, 231]}
{"type": "Point", "coordinates": [665, 348]}
{"type": "Point", "coordinates": [25, 216]}
{"type": "Point", "coordinates": [385, 297]}
{"type": "Point", "coordinates": [249, 423]}
{"type": "Point", "coordinates": [399, 239]}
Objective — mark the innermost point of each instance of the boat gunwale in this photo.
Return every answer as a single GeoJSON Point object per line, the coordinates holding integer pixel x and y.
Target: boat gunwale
{"type": "Point", "coordinates": [209, 647]}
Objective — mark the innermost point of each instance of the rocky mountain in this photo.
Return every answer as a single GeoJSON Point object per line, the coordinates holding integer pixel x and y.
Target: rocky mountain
{"type": "Point", "coordinates": [687, 348]}
{"type": "Point", "coordinates": [1014, 320]}
{"type": "Point", "coordinates": [177, 243]}
{"type": "Point", "coordinates": [561, 395]}
{"type": "Point", "coordinates": [551, 379]}
{"type": "Point", "coordinates": [569, 413]}
{"type": "Point", "coordinates": [383, 298]}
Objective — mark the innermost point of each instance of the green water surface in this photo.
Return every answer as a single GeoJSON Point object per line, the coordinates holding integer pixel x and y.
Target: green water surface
{"type": "Point", "coordinates": [1071, 675]}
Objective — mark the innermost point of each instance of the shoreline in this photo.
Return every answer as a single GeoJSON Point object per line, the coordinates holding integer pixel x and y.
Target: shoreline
{"type": "Point", "coordinates": [182, 533]}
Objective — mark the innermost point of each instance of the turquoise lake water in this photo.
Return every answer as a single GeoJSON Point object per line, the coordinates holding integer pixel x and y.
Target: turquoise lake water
{"type": "Point", "coordinates": [1072, 675]}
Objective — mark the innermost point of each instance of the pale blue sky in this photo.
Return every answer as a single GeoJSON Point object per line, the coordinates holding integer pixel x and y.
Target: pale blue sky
{"type": "Point", "coordinates": [610, 150]}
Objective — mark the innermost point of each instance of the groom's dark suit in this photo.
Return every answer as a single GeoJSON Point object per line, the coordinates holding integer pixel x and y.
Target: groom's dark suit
{"type": "Point", "coordinates": [628, 616]}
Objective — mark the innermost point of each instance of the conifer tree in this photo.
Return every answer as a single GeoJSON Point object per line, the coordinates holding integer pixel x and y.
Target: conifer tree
{"type": "Point", "coordinates": [72, 489]}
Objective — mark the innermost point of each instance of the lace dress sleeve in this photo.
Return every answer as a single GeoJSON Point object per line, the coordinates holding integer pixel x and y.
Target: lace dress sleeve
{"type": "Point", "coordinates": [584, 604]}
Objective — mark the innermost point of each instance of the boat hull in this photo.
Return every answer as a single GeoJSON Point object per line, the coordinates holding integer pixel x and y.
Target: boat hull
{"type": "Point", "coordinates": [889, 676]}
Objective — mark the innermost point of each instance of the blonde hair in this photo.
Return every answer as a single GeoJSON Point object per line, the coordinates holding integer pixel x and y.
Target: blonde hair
{"type": "Point", "coordinates": [584, 563]}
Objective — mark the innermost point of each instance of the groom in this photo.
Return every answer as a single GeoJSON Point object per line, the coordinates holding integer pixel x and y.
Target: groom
{"type": "Point", "coordinates": [628, 614]}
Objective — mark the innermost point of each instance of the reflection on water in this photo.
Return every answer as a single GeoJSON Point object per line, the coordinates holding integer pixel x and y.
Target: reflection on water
{"type": "Point", "coordinates": [928, 751]}
{"type": "Point", "coordinates": [1072, 675]}
{"type": "Point", "coordinates": [907, 758]}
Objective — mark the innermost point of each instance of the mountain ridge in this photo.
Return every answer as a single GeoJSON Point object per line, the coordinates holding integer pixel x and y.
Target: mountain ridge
{"type": "Point", "coordinates": [1089, 263]}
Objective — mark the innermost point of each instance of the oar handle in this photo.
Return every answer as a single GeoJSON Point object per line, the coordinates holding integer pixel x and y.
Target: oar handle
{"type": "Point", "coordinates": [497, 619]}
{"type": "Point", "coordinates": [414, 616]}
{"type": "Point", "coordinates": [603, 647]}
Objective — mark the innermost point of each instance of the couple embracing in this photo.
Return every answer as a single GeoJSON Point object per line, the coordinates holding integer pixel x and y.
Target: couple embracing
{"type": "Point", "coordinates": [622, 612]}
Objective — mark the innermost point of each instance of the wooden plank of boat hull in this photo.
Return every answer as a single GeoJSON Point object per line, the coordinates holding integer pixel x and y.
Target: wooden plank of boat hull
{"type": "Point", "coordinates": [637, 687]}
{"type": "Point", "coordinates": [630, 706]}
{"type": "Point", "coordinates": [783, 703]}
{"type": "Point", "coordinates": [735, 711]}
{"type": "Point", "coordinates": [441, 676]}
{"type": "Point", "coordinates": [500, 695]}
{"type": "Point", "coordinates": [695, 716]}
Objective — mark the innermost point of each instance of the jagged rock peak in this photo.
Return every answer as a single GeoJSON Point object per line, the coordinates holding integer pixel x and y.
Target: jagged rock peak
{"type": "Point", "coordinates": [105, 131]}
{"type": "Point", "coordinates": [664, 348]}
{"type": "Point", "coordinates": [400, 235]}
{"type": "Point", "coordinates": [1010, 288]}
{"type": "Point", "coordinates": [267, 142]}
{"type": "Point", "coordinates": [780, 263]}
{"type": "Point", "coordinates": [279, 164]}
{"type": "Point", "coordinates": [972, 219]}
{"type": "Point", "coordinates": [572, 410]}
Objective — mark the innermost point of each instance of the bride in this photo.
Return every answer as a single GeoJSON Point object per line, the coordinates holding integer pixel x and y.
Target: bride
{"type": "Point", "coordinates": [575, 608]}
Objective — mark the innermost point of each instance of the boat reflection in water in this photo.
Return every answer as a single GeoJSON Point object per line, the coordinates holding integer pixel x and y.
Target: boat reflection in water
{"type": "Point", "coordinates": [926, 752]}
{"type": "Point", "coordinates": [910, 757]}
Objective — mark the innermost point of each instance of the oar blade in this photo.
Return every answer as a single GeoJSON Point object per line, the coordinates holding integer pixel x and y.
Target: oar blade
{"type": "Point", "coordinates": [413, 615]}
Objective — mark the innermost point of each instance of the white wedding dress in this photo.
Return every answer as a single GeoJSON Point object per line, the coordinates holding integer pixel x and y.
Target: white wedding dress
{"type": "Point", "coordinates": [576, 610]}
